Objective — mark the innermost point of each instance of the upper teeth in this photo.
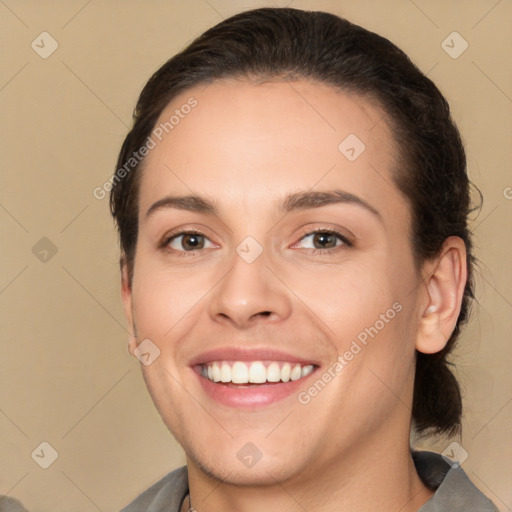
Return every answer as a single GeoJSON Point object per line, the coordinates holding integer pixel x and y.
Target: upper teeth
{"type": "Point", "coordinates": [255, 372]}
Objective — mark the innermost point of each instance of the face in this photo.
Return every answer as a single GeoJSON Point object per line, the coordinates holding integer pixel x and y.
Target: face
{"type": "Point", "coordinates": [274, 274]}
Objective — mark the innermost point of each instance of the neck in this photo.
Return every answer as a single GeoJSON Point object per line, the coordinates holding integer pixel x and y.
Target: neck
{"type": "Point", "coordinates": [364, 478]}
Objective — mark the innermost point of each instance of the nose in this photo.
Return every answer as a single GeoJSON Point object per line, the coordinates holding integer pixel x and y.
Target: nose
{"type": "Point", "coordinates": [250, 294]}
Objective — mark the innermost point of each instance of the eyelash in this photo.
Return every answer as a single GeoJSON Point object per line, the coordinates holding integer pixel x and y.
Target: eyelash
{"type": "Point", "coordinates": [164, 245]}
{"type": "Point", "coordinates": [345, 241]}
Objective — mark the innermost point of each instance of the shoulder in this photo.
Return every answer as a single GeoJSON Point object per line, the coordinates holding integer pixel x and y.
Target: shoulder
{"type": "Point", "coordinates": [167, 494]}
{"type": "Point", "coordinates": [454, 491]}
{"type": "Point", "coordinates": [8, 504]}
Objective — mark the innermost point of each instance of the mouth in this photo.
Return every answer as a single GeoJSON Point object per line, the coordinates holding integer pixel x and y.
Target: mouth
{"type": "Point", "coordinates": [252, 384]}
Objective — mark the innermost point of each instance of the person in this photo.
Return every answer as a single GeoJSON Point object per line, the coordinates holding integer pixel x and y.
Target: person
{"type": "Point", "coordinates": [292, 205]}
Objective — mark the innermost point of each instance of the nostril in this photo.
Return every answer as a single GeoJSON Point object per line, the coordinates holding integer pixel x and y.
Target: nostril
{"type": "Point", "coordinates": [265, 314]}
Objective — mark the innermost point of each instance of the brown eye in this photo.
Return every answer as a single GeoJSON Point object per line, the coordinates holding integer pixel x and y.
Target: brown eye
{"type": "Point", "coordinates": [192, 241]}
{"type": "Point", "coordinates": [186, 242]}
{"type": "Point", "coordinates": [318, 240]}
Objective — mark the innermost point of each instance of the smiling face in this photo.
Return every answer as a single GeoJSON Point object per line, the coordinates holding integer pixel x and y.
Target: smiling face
{"type": "Point", "coordinates": [274, 272]}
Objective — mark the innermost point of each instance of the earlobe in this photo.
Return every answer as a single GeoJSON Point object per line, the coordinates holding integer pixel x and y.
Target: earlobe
{"type": "Point", "coordinates": [444, 285]}
{"type": "Point", "coordinates": [132, 344]}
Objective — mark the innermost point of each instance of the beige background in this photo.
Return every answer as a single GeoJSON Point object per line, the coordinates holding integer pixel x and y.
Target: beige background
{"type": "Point", "coordinates": [66, 377]}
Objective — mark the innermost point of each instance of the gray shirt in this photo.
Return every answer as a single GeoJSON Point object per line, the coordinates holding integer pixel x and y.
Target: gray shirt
{"type": "Point", "coordinates": [454, 492]}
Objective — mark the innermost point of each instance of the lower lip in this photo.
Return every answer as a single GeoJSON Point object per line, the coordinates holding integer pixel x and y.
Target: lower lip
{"type": "Point", "coordinates": [252, 396]}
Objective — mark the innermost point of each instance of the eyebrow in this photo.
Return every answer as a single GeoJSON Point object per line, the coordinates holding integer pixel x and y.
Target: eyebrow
{"type": "Point", "coordinates": [293, 202]}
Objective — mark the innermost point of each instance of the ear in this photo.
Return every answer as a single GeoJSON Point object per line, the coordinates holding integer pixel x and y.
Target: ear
{"type": "Point", "coordinates": [444, 283]}
{"type": "Point", "coordinates": [126, 296]}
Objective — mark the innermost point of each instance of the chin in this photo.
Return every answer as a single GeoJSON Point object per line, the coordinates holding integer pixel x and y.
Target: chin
{"type": "Point", "coordinates": [263, 473]}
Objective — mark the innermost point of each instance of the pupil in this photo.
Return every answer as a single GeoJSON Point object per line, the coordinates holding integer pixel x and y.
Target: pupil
{"type": "Point", "coordinates": [325, 240]}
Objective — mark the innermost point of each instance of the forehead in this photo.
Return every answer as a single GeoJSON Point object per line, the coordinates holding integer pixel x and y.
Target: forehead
{"type": "Point", "coordinates": [257, 141]}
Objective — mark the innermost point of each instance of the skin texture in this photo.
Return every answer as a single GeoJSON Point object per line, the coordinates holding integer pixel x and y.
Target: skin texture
{"type": "Point", "coordinates": [245, 147]}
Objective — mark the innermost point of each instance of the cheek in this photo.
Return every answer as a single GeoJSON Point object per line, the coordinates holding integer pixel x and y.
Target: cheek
{"type": "Point", "coordinates": [367, 308]}
{"type": "Point", "coordinates": [348, 297]}
{"type": "Point", "coordinates": [163, 298]}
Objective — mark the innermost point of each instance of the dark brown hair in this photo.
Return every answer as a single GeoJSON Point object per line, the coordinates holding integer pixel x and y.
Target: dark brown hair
{"type": "Point", "coordinates": [295, 44]}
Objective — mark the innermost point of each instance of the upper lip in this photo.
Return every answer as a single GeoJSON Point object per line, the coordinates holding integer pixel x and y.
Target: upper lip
{"type": "Point", "coordinates": [252, 354]}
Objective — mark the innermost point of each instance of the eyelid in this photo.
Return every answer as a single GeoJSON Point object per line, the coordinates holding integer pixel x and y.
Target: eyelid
{"type": "Point", "coordinates": [346, 239]}
{"type": "Point", "coordinates": [188, 233]}
{"type": "Point", "coordinates": [181, 231]}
